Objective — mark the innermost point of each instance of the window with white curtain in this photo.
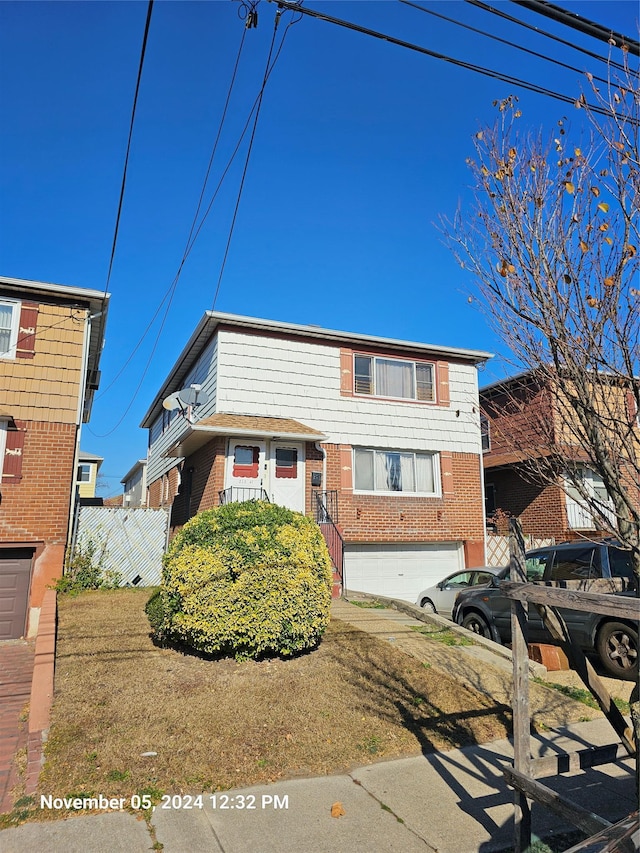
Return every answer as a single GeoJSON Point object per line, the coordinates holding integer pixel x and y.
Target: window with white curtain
{"type": "Point", "coordinates": [394, 378]}
{"type": "Point", "coordinates": [395, 471]}
{"type": "Point", "coordinates": [9, 318]}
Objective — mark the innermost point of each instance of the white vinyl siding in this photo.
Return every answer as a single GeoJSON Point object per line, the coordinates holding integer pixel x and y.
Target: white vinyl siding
{"type": "Point", "coordinates": [296, 379]}
{"type": "Point", "coordinates": [168, 426]}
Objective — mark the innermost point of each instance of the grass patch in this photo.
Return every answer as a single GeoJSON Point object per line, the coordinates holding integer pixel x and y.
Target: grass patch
{"type": "Point", "coordinates": [369, 605]}
{"type": "Point", "coordinates": [443, 635]}
{"type": "Point", "coordinates": [212, 725]}
{"type": "Point", "coordinates": [581, 694]}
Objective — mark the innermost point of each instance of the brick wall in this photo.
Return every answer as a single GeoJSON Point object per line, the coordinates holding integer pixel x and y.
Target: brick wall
{"type": "Point", "coordinates": [456, 516]}
{"type": "Point", "coordinates": [541, 509]}
{"type": "Point", "coordinates": [35, 509]}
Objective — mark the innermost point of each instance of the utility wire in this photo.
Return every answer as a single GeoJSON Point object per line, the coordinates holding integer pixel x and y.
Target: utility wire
{"type": "Point", "coordinates": [577, 22]}
{"type": "Point", "coordinates": [276, 21]}
{"type": "Point", "coordinates": [500, 40]}
{"type": "Point", "coordinates": [193, 236]}
{"type": "Point", "coordinates": [486, 8]}
{"type": "Point", "coordinates": [122, 188]}
{"type": "Point", "coordinates": [487, 72]}
{"type": "Point", "coordinates": [169, 293]}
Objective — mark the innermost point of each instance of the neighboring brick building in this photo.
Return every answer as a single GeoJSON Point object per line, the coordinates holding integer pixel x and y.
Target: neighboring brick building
{"type": "Point", "coordinates": [524, 419]}
{"type": "Point", "coordinates": [50, 346]}
{"type": "Point", "coordinates": [385, 432]}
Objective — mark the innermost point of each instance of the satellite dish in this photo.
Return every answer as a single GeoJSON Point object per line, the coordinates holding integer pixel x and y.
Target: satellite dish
{"type": "Point", "coordinates": [171, 402]}
{"type": "Point", "coordinates": [193, 396]}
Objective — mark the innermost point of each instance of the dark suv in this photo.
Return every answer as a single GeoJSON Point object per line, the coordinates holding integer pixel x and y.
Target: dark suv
{"type": "Point", "coordinates": [486, 611]}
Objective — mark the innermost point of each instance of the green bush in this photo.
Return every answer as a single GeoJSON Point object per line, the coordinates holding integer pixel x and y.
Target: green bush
{"type": "Point", "coordinates": [248, 579]}
{"type": "Point", "coordinates": [84, 569]}
{"type": "Point", "coordinates": [155, 611]}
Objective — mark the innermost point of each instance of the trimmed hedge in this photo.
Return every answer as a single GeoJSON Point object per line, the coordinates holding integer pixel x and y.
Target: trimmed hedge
{"type": "Point", "coordinates": [248, 579]}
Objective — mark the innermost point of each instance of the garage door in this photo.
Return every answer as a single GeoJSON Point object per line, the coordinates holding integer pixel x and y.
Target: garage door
{"type": "Point", "coordinates": [400, 571]}
{"type": "Point", "coordinates": [15, 574]}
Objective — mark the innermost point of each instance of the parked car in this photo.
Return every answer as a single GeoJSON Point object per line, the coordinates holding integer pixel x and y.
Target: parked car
{"type": "Point", "coordinates": [486, 611]}
{"type": "Point", "coordinates": [440, 598]}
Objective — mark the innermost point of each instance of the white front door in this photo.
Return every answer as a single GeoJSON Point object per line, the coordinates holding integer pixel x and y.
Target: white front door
{"type": "Point", "coordinates": [245, 468]}
{"type": "Point", "coordinates": [286, 474]}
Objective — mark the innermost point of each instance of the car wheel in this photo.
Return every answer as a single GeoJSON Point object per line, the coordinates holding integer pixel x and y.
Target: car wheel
{"type": "Point", "coordinates": [478, 624]}
{"type": "Point", "coordinates": [427, 605]}
{"type": "Point", "coordinates": [617, 646]}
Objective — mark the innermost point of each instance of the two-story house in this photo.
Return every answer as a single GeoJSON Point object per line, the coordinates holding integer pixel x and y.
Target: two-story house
{"type": "Point", "coordinates": [134, 485]}
{"type": "Point", "coordinates": [385, 432]}
{"type": "Point", "coordinates": [527, 419]}
{"type": "Point", "coordinates": [87, 474]}
{"type": "Point", "coordinates": [50, 345]}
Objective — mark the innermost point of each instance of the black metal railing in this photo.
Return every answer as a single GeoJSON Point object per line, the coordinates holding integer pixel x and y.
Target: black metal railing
{"type": "Point", "coordinates": [330, 532]}
{"type": "Point", "coordinates": [326, 504]}
{"type": "Point", "coordinates": [240, 494]}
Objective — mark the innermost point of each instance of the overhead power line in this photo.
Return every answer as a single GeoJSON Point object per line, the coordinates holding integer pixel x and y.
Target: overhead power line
{"type": "Point", "coordinates": [487, 72]}
{"type": "Point", "coordinates": [486, 8]}
{"type": "Point", "coordinates": [498, 39]}
{"type": "Point", "coordinates": [267, 71]}
{"type": "Point", "coordinates": [577, 22]}
{"type": "Point", "coordinates": [194, 232]}
{"type": "Point", "coordinates": [102, 318]}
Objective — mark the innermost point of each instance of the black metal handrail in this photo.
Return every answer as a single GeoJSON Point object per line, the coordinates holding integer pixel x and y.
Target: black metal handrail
{"type": "Point", "coordinates": [326, 504]}
{"type": "Point", "coordinates": [332, 536]}
{"type": "Point", "coordinates": [240, 494]}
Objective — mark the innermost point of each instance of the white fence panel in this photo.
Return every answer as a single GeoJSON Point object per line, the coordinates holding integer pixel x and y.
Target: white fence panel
{"type": "Point", "coordinates": [133, 540]}
{"type": "Point", "coordinates": [498, 548]}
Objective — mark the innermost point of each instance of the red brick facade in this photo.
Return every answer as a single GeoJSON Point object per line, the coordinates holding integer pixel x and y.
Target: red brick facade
{"type": "Point", "coordinates": [456, 516]}
{"type": "Point", "coordinates": [44, 392]}
{"type": "Point", "coordinates": [541, 509]}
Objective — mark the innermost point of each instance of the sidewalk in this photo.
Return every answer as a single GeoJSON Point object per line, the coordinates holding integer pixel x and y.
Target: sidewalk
{"type": "Point", "coordinates": [449, 802]}
{"type": "Point", "coordinates": [16, 670]}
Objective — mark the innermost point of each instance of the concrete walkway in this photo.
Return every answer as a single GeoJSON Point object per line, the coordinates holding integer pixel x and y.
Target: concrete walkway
{"type": "Point", "coordinates": [444, 802]}
{"type": "Point", "coordinates": [16, 671]}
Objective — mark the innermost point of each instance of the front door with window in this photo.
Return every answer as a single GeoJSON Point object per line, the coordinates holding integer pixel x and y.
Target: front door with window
{"type": "Point", "coordinates": [245, 469]}
{"type": "Point", "coordinates": [286, 475]}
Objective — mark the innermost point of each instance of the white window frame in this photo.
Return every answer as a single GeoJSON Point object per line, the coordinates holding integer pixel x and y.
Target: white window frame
{"type": "Point", "coordinates": [435, 463]}
{"type": "Point", "coordinates": [15, 326]}
{"type": "Point", "coordinates": [376, 358]}
{"type": "Point", "coordinates": [82, 468]}
{"type": "Point", "coordinates": [579, 515]}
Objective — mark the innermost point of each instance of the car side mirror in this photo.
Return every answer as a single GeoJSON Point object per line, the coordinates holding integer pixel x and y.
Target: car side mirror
{"type": "Point", "coordinates": [440, 585]}
{"type": "Point", "coordinates": [495, 581]}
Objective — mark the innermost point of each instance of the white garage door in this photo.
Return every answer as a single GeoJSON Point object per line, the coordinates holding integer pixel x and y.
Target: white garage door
{"type": "Point", "coordinates": [400, 571]}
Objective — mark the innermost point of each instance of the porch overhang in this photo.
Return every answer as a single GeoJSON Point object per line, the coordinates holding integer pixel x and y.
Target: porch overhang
{"type": "Point", "coordinates": [249, 426]}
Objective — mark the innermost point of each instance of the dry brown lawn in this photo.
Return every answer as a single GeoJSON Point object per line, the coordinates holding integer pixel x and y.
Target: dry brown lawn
{"type": "Point", "coordinates": [216, 724]}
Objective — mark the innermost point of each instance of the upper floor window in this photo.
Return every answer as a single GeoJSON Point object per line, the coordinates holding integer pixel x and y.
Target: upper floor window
{"type": "Point", "coordinates": [9, 322]}
{"type": "Point", "coordinates": [394, 378]}
{"type": "Point", "coordinates": [395, 471]}
{"type": "Point", "coordinates": [84, 473]}
{"type": "Point", "coordinates": [485, 433]}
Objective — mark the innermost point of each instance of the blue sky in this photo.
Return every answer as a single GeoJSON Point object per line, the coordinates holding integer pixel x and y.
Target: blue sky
{"type": "Point", "coordinates": [359, 150]}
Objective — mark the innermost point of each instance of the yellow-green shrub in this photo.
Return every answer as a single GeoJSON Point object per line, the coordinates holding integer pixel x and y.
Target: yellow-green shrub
{"type": "Point", "coordinates": [247, 579]}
